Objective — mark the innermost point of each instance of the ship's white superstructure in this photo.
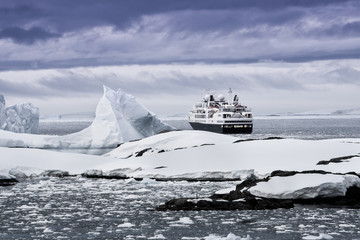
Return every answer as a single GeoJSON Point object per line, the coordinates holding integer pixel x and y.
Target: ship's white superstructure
{"type": "Point", "coordinates": [218, 115]}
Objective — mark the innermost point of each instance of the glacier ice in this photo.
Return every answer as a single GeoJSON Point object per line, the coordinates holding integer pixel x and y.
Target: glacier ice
{"type": "Point", "coordinates": [119, 118]}
{"type": "Point", "coordinates": [20, 118]}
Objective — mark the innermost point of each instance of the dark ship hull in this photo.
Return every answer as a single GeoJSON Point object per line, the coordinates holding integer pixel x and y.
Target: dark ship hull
{"type": "Point", "coordinates": [223, 128]}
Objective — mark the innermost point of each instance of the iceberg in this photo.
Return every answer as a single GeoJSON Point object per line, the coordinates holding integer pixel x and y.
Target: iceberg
{"type": "Point", "coordinates": [119, 118]}
{"type": "Point", "coordinates": [19, 118]}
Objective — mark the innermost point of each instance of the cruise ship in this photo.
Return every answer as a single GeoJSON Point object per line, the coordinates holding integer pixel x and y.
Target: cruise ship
{"type": "Point", "coordinates": [215, 114]}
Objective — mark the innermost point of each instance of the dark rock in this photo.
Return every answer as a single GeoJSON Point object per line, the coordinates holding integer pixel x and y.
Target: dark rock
{"type": "Point", "coordinates": [114, 174]}
{"type": "Point", "coordinates": [273, 138]}
{"type": "Point", "coordinates": [248, 203]}
{"type": "Point", "coordinates": [160, 167]}
{"type": "Point", "coordinates": [318, 172]}
{"type": "Point", "coordinates": [337, 160]}
{"type": "Point", "coordinates": [180, 148]}
{"type": "Point", "coordinates": [245, 140]}
{"type": "Point", "coordinates": [241, 199]}
{"type": "Point", "coordinates": [252, 139]}
{"type": "Point", "coordinates": [249, 182]}
{"type": "Point", "coordinates": [350, 200]}
{"type": "Point", "coordinates": [8, 182]}
{"type": "Point", "coordinates": [55, 173]}
{"type": "Point", "coordinates": [140, 153]}
{"type": "Point", "coordinates": [280, 173]}
{"type": "Point", "coordinates": [177, 205]}
{"type": "Point", "coordinates": [207, 144]}
{"type": "Point", "coordinates": [92, 174]}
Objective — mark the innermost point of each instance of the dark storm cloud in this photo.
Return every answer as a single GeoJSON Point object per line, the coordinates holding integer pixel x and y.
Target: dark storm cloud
{"type": "Point", "coordinates": [20, 35]}
{"type": "Point", "coordinates": [69, 15]}
{"type": "Point", "coordinates": [346, 30]}
{"type": "Point", "coordinates": [115, 32]}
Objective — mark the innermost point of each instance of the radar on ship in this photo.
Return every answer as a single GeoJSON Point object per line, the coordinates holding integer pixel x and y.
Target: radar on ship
{"type": "Point", "coordinates": [221, 98]}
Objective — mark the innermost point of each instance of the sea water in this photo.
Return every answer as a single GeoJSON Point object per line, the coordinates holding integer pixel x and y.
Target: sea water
{"type": "Point", "coordinates": [300, 127]}
{"type": "Point", "coordinates": [79, 208]}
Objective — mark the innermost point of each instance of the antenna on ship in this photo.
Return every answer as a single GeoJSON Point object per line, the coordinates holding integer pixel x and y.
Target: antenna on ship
{"type": "Point", "coordinates": [230, 96]}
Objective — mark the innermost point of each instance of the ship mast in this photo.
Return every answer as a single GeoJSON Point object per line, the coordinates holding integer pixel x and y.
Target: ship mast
{"type": "Point", "coordinates": [230, 96]}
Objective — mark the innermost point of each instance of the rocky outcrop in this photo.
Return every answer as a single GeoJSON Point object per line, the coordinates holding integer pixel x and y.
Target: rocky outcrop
{"type": "Point", "coordinates": [55, 173]}
{"type": "Point", "coordinates": [243, 199]}
{"type": "Point", "coordinates": [337, 160]}
{"type": "Point", "coordinates": [7, 180]}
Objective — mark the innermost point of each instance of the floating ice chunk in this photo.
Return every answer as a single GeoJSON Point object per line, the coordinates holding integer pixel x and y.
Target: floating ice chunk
{"type": "Point", "coordinates": [158, 236]}
{"type": "Point", "coordinates": [185, 220]}
{"type": "Point", "coordinates": [20, 118]}
{"type": "Point", "coordinates": [126, 225]}
{"type": "Point", "coordinates": [230, 236]}
{"type": "Point", "coordinates": [321, 236]}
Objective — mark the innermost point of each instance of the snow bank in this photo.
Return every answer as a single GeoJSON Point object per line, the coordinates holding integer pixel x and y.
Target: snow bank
{"type": "Point", "coordinates": [176, 140]}
{"type": "Point", "coordinates": [260, 157]}
{"type": "Point", "coordinates": [206, 156]}
{"type": "Point", "coordinates": [215, 157]}
{"type": "Point", "coordinates": [305, 186]}
{"type": "Point", "coordinates": [119, 118]}
{"type": "Point", "coordinates": [20, 118]}
{"type": "Point", "coordinates": [32, 162]}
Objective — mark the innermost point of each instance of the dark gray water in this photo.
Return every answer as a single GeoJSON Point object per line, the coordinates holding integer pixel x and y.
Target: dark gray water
{"type": "Point", "coordinates": [288, 127]}
{"type": "Point", "coordinates": [78, 208]}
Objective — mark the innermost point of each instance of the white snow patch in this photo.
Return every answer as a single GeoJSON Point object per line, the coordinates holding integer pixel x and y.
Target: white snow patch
{"type": "Point", "coordinates": [321, 236]}
{"type": "Point", "coordinates": [305, 186]}
{"type": "Point", "coordinates": [225, 190]}
{"type": "Point", "coordinates": [171, 141]}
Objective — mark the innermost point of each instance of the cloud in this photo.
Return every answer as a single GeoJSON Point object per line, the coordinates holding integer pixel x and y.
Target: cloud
{"type": "Point", "coordinates": [93, 33]}
{"type": "Point", "coordinates": [268, 87]}
{"type": "Point", "coordinates": [24, 36]}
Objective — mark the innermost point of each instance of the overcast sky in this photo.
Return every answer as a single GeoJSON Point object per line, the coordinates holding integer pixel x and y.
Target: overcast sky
{"type": "Point", "coordinates": [278, 55]}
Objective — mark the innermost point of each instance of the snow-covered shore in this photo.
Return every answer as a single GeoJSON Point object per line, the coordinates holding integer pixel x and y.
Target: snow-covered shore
{"type": "Point", "coordinates": [197, 155]}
